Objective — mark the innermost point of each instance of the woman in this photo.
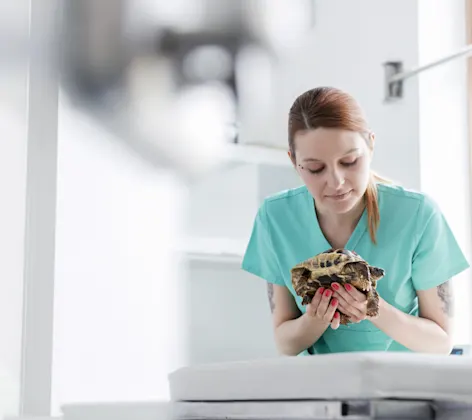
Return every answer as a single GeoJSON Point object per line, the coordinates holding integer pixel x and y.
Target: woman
{"type": "Point", "coordinates": [343, 204]}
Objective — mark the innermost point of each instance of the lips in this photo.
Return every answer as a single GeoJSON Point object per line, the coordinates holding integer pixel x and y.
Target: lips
{"type": "Point", "coordinates": [339, 196]}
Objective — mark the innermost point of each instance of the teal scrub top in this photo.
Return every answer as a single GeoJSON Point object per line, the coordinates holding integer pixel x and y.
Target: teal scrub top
{"type": "Point", "coordinates": [415, 246]}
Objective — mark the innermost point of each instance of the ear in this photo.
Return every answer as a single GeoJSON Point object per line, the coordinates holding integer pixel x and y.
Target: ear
{"type": "Point", "coordinates": [292, 159]}
{"type": "Point", "coordinates": [372, 142]}
{"type": "Point", "coordinates": [372, 138]}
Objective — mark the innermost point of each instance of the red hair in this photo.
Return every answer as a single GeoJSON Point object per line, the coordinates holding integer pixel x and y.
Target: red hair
{"type": "Point", "coordinates": [329, 107]}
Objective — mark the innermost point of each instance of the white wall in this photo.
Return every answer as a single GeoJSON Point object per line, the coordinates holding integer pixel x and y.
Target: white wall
{"type": "Point", "coordinates": [13, 148]}
{"type": "Point", "coordinates": [117, 310]}
{"type": "Point", "coordinates": [222, 204]}
{"type": "Point", "coordinates": [13, 190]}
{"type": "Point", "coordinates": [443, 137]}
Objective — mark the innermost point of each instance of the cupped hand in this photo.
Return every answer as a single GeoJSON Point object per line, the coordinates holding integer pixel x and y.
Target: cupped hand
{"type": "Point", "coordinates": [324, 307]}
{"type": "Point", "coordinates": [351, 301]}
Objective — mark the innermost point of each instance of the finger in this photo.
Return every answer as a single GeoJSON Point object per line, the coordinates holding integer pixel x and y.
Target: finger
{"type": "Point", "coordinates": [344, 294]}
{"type": "Point", "coordinates": [349, 300]}
{"type": "Point", "coordinates": [336, 321]}
{"type": "Point", "coordinates": [313, 306]}
{"type": "Point", "coordinates": [349, 310]}
{"type": "Point", "coordinates": [339, 290]}
{"type": "Point", "coordinates": [349, 293]}
{"type": "Point", "coordinates": [338, 296]}
{"type": "Point", "coordinates": [353, 315]}
{"type": "Point", "coordinates": [323, 306]}
{"type": "Point", "coordinates": [333, 304]}
{"type": "Point", "coordinates": [355, 294]}
{"type": "Point", "coordinates": [344, 309]}
{"type": "Point", "coordinates": [345, 304]}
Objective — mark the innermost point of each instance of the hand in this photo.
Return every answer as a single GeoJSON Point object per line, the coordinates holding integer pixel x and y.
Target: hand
{"type": "Point", "coordinates": [351, 302]}
{"type": "Point", "coordinates": [323, 308]}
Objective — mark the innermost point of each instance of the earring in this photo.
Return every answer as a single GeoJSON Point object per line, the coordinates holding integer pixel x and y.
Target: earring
{"type": "Point", "coordinates": [342, 182]}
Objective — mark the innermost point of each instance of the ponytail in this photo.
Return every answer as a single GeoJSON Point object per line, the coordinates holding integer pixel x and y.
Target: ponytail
{"type": "Point", "coordinates": [372, 204]}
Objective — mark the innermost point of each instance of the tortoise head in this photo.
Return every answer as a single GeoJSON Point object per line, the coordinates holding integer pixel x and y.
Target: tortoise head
{"type": "Point", "coordinates": [376, 273]}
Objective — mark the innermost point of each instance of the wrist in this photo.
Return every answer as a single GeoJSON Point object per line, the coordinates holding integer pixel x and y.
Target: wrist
{"type": "Point", "coordinates": [383, 312]}
{"type": "Point", "coordinates": [311, 323]}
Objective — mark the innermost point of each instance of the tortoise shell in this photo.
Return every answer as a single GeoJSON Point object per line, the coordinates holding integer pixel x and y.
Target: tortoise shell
{"type": "Point", "coordinates": [341, 266]}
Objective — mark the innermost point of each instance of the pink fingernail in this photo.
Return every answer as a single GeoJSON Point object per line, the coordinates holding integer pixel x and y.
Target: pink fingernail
{"type": "Point", "coordinates": [348, 287]}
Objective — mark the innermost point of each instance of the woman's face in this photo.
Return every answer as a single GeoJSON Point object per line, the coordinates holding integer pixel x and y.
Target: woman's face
{"type": "Point", "coordinates": [334, 164]}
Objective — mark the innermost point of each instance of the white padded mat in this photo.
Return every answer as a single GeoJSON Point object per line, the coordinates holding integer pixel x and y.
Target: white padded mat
{"type": "Point", "coordinates": [343, 375]}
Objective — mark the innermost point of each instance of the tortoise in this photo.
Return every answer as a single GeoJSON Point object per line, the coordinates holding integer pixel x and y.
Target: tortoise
{"type": "Point", "coordinates": [341, 266]}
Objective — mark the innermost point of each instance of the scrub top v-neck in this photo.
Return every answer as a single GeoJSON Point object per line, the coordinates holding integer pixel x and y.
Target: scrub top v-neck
{"type": "Point", "coordinates": [415, 246]}
{"type": "Point", "coordinates": [317, 233]}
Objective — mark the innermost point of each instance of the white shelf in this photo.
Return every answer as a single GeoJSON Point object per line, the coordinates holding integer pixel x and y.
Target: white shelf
{"type": "Point", "coordinates": [259, 155]}
{"type": "Point", "coordinates": [222, 250]}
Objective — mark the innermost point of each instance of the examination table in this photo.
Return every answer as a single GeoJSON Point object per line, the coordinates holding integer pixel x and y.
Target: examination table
{"type": "Point", "coordinates": [344, 386]}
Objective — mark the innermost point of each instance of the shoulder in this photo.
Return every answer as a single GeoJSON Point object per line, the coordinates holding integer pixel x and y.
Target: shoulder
{"type": "Point", "coordinates": [408, 210]}
{"type": "Point", "coordinates": [282, 208]}
{"type": "Point", "coordinates": [417, 203]}
{"type": "Point", "coordinates": [282, 205]}
{"type": "Point", "coordinates": [397, 192]}
{"type": "Point", "coordinates": [285, 198]}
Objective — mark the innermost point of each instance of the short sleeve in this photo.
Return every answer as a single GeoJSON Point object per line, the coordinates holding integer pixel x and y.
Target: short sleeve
{"type": "Point", "coordinates": [260, 258]}
{"type": "Point", "coordinates": [437, 256]}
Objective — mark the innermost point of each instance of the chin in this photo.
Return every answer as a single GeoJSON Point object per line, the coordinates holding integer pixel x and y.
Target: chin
{"type": "Point", "coordinates": [341, 206]}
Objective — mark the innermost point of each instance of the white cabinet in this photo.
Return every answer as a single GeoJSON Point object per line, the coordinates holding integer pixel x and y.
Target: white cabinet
{"type": "Point", "coordinates": [228, 315]}
{"type": "Point", "coordinates": [227, 312]}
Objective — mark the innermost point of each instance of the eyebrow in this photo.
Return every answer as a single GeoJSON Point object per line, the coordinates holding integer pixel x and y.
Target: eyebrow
{"type": "Point", "coordinates": [355, 149]}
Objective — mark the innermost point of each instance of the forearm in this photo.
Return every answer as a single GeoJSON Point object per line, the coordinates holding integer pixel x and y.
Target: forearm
{"type": "Point", "coordinates": [294, 336]}
{"type": "Point", "coordinates": [416, 333]}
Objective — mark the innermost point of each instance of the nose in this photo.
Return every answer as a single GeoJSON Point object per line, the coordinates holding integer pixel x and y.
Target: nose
{"type": "Point", "coordinates": [335, 180]}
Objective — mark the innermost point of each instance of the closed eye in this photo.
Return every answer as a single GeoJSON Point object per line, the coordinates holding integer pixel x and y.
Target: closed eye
{"type": "Point", "coordinates": [345, 164]}
{"type": "Point", "coordinates": [349, 163]}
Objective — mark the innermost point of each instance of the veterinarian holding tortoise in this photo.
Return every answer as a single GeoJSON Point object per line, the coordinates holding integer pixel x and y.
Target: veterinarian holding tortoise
{"type": "Point", "coordinates": [352, 261]}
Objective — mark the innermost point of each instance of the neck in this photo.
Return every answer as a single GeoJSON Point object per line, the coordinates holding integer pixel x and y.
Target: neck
{"type": "Point", "coordinates": [347, 220]}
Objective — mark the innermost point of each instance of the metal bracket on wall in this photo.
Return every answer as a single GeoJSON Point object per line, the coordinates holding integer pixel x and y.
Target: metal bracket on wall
{"type": "Point", "coordinates": [395, 76]}
{"type": "Point", "coordinates": [393, 89]}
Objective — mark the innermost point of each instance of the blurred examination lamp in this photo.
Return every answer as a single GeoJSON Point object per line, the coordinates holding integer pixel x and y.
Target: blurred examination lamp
{"type": "Point", "coordinates": [163, 76]}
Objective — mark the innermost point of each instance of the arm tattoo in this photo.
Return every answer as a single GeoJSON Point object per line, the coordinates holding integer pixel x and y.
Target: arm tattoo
{"type": "Point", "coordinates": [445, 294]}
{"type": "Point", "coordinates": [270, 294]}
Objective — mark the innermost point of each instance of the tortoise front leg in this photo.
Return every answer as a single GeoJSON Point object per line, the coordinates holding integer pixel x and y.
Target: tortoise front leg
{"type": "Point", "coordinates": [372, 303]}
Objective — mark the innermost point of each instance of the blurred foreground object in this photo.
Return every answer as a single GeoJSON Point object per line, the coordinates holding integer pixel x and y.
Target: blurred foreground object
{"type": "Point", "coordinates": [165, 77]}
